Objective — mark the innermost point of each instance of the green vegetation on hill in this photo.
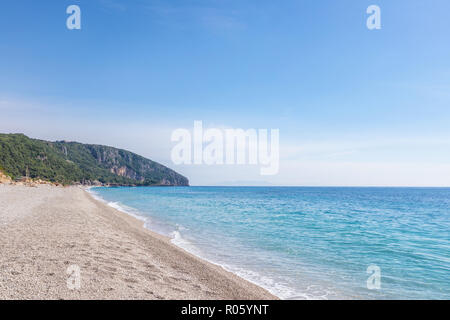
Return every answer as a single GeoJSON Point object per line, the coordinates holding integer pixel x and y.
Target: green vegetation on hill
{"type": "Point", "coordinates": [72, 162]}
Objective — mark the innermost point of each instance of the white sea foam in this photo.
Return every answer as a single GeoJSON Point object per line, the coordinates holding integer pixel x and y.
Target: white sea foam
{"type": "Point", "coordinates": [178, 240]}
{"type": "Point", "coordinates": [118, 206]}
{"type": "Point", "coordinates": [271, 285]}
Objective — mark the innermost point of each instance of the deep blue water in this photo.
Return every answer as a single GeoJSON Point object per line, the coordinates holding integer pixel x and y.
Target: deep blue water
{"type": "Point", "coordinates": [313, 243]}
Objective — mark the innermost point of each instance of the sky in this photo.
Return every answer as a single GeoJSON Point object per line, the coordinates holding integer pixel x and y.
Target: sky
{"type": "Point", "coordinates": [354, 107]}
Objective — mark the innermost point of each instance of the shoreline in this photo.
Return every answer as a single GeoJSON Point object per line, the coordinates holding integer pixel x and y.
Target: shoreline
{"type": "Point", "coordinates": [46, 229]}
{"type": "Point", "coordinates": [172, 241]}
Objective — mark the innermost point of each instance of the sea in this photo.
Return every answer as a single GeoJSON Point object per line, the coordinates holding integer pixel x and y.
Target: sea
{"type": "Point", "coordinates": [307, 242]}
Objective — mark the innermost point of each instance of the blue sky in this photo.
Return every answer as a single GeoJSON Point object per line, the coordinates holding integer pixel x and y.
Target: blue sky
{"type": "Point", "coordinates": [354, 106]}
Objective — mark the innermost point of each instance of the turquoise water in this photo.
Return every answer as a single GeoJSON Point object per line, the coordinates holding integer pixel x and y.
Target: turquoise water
{"type": "Point", "coordinates": [308, 243]}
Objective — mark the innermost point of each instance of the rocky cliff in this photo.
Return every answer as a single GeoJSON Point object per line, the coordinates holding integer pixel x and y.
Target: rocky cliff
{"type": "Point", "coordinates": [72, 163]}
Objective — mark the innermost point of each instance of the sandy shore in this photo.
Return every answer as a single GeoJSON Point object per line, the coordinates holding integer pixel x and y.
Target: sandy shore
{"type": "Point", "coordinates": [45, 230]}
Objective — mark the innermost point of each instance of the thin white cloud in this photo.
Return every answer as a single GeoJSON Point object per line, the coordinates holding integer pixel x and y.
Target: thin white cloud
{"type": "Point", "coordinates": [113, 5]}
{"type": "Point", "coordinates": [209, 17]}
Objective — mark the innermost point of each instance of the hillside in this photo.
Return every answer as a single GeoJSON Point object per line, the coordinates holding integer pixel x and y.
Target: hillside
{"type": "Point", "coordinates": [76, 163]}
